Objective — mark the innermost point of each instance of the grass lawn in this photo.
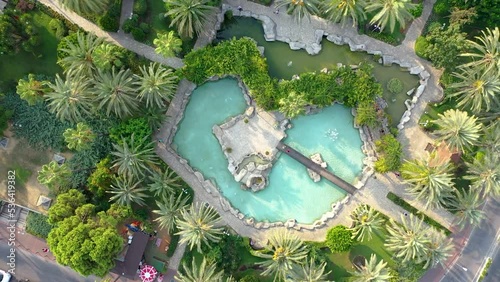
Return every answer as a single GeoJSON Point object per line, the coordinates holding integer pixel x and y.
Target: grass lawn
{"type": "Point", "coordinates": [340, 264]}
{"type": "Point", "coordinates": [42, 61]}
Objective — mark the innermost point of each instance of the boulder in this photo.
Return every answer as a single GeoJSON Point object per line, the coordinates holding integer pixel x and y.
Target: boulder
{"type": "Point", "coordinates": [424, 74]}
{"type": "Point", "coordinates": [251, 166]}
{"type": "Point", "coordinates": [238, 177]}
{"type": "Point", "coordinates": [410, 91]}
{"type": "Point", "coordinates": [335, 39]}
{"type": "Point", "coordinates": [416, 70]}
{"type": "Point", "coordinates": [318, 35]}
{"type": "Point", "coordinates": [294, 45]}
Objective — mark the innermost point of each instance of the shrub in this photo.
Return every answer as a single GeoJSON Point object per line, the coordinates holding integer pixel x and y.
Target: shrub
{"type": "Point", "coordinates": [140, 7]}
{"type": "Point", "coordinates": [109, 23]}
{"type": "Point", "coordinates": [402, 203]}
{"type": "Point", "coordinates": [99, 181]}
{"type": "Point", "coordinates": [390, 151]}
{"type": "Point", "coordinates": [36, 224]}
{"type": "Point", "coordinates": [138, 34]}
{"type": "Point", "coordinates": [249, 278]}
{"type": "Point", "coordinates": [366, 114]}
{"type": "Point", "coordinates": [417, 11]}
{"type": "Point", "coordinates": [394, 85]}
{"type": "Point", "coordinates": [420, 46]}
{"type": "Point", "coordinates": [137, 126]}
{"type": "Point", "coordinates": [58, 27]}
{"type": "Point", "coordinates": [145, 27]}
{"type": "Point", "coordinates": [130, 24]}
{"type": "Point", "coordinates": [4, 118]}
{"type": "Point", "coordinates": [441, 8]}
{"type": "Point", "coordinates": [339, 239]}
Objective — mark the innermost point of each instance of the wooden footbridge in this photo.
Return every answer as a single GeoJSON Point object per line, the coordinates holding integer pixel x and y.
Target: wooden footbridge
{"type": "Point", "coordinates": [316, 168]}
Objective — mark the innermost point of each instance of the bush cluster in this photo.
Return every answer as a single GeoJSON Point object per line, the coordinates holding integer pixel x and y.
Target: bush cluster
{"type": "Point", "coordinates": [58, 27]}
{"type": "Point", "coordinates": [140, 7]}
{"type": "Point", "coordinates": [339, 239]}
{"type": "Point", "coordinates": [417, 11]}
{"type": "Point", "coordinates": [36, 224]}
{"type": "Point", "coordinates": [421, 45]}
{"type": "Point", "coordinates": [138, 29]}
{"type": "Point", "coordinates": [390, 152]}
{"type": "Point", "coordinates": [242, 58]}
{"type": "Point", "coordinates": [402, 203]}
{"type": "Point", "coordinates": [395, 85]}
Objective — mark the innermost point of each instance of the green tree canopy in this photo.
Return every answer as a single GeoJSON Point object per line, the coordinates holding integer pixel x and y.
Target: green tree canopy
{"type": "Point", "coordinates": [339, 239]}
{"type": "Point", "coordinates": [65, 205]}
{"type": "Point", "coordinates": [190, 16]}
{"type": "Point", "coordinates": [32, 90]}
{"type": "Point", "coordinates": [55, 176]}
{"type": "Point", "coordinates": [167, 44]}
{"type": "Point", "coordinates": [390, 12]}
{"type": "Point", "coordinates": [80, 138]}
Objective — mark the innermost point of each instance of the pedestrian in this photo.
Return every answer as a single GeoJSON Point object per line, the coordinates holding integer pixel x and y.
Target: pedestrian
{"type": "Point", "coordinates": [240, 8]}
{"type": "Point", "coordinates": [45, 250]}
{"type": "Point", "coordinates": [277, 11]}
{"type": "Point", "coordinates": [406, 214]}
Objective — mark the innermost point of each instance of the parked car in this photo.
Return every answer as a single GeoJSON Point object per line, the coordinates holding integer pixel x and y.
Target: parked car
{"type": "Point", "coordinates": [4, 276]}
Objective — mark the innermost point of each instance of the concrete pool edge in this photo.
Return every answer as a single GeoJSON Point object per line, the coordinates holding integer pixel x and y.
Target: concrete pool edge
{"type": "Point", "coordinates": [211, 188]}
{"type": "Point", "coordinates": [313, 48]}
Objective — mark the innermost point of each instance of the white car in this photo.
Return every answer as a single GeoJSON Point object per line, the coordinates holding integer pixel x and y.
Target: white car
{"type": "Point", "coordinates": [4, 276]}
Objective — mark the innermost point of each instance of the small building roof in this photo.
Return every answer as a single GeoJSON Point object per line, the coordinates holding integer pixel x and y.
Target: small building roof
{"type": "Point", "coordinates": [129, 266]}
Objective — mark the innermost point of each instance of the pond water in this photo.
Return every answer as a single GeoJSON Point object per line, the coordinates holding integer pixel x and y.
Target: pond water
{"type": "Point", "coordinates": [284, 62]}
{"type": "Point", "coordinates": [291, 194]}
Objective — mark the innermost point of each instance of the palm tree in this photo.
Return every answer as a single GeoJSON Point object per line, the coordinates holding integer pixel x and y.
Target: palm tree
{"type": "Point", "coordinates": [167, 44]}
{"type": "Point", "coordinates": [133, 160]}
{"type": "Point", "coordinates": [429, 180]}
{"type": "Point", "coordinates": [106, 56]}
{"type": "Point", "coordinates": [190, 16]}
{"type": "Point", "coordinates": [476, 89]}
{"type": "Point", "coordinates": [164, 184]}
{"type": "Point", "coordinates": [32, 90]}
{"type": "Point", "coordinates": [197, 226]}
{"type": "Point", "coordinates": [343, 10]}
{"type": "Point", "coordinates": [292, 105]}
{"type": "Point", "coordinates": [365, 221]}
{"type": "Point", "coordinates": [156, 84]}
{"type": "Point", "coordinates": [487, 51]}
{"type": "Point", "coordinates": [87, 7]}
{"type": "Point", "coordinates": [169, 209]}
{"type": "Point", "coordinates": [200, 273]}
{"type": "Point", "coordinates": [372, 271]}
{"type": "Point", "coordinates": [115, 92]}
{"type": "Point", "coordinates": [491, 137]}
{"type": "Point", "coordinates": [390, 12]}
{"type": "Point", "coordinates": [155, 116]}
{"type": "Point", "coordinates": [283, 253]}
{"type": "Point", "coordinates": [79, 58]}
{"type": "Point", "coordinates": [310, 272]}
{"type": "Point", "coordinates": [126, 191]}
{"type": "Point", "coordinates": [80, 138]}
{"type": "Point", "coordinates": [438, 248]}
{"type": "Point", "coordinates": [54, 176]}
{"type": "Point", "coordinates": [457, 129]}
{"type": "Point", "coordinates": [467, 205]}
{"type": "Point", "coordinates": [484, 172]}
{"type": "Point", "coordinates": [300, 8]}
{"type": "Point", "coordinates": [408, 240]}
{"type": "Point", "coordinates": [70, 99]}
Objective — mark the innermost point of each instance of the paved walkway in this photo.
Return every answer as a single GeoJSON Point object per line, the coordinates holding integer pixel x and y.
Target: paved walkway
{"type": "Point", "coordinates": [126, 12]}
{"type": "Point", "coordinates": [121, 39]}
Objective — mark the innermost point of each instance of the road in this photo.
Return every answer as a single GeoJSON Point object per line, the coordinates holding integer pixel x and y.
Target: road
{"type": "Point", "coordinates": [37, 269]}
{"type": "Point", "coordinates": [481, 245]}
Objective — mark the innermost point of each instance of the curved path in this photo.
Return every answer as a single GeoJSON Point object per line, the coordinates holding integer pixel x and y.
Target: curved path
{"type": "Point", "coordinates": [120, 38]}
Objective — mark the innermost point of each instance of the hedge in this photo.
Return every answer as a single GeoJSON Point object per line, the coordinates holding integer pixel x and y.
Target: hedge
{"type": "Point", "coordinates": [36, 224]}
{"type": "Point", "coordinates": [405, 205]}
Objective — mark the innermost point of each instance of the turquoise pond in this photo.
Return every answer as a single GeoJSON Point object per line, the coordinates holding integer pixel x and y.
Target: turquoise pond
{"type": "Point", "coordinates": [291, 194]}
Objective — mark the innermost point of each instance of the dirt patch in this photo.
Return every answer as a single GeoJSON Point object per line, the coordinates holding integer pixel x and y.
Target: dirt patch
{"type": "Point", "coordinates": [26, 162]}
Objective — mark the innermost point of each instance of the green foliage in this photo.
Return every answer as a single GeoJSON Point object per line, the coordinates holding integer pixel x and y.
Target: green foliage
{"type": "Point", "coordinates": [445, 45]}
{"type": "Point", "coordinates": [140, 7]}
{"type": "Point", "coordinates": [227, 253]}
{"type": "Point", "coordinates": [17, 32]}
{"type": "Point", "coordinates": [242, 58]}
{"type": "Point", "coordinates": [63, 45]}
{"type": "Point", "coordinates": [5, 116]}
{"type": "Point", "coordinates": [417, 10]}
{"type": "Point", "coordinates": [36, 124]}
{"type": "Point", "coordinates": [174, 241]}
{"type": "Point", "coordinates": [130, 23]}
{"type": "Point", "coordinates": [55, 177]}
{"type": "Point", "coordinates": [80, 138]}
{"type": "Point", "coordinates": [390, 151]}
{"type": "Point", "coordinates": [421, 45]}
{"type": "Point", "coordinates": [339, 239]}
{"type": "Point", "coordinates": [395, 85]}
{"type": "Point", "coordinates": [367, 114]}
{"type": "Point", "coordinates": [167, 44]}
{"type": "Point", "coordinates": [139, 127]}
{"type": "Point", "coordinates": [99, 181]}
{"type": "Point", "coordinates": [32, 89]}
{"type": "Point", "coordinates": [441, 8]}
{"type": "Point", "coordinates": [138, 34]}
{"type": "Point", "coordinates": [402, 203]}
{"type": "Point", "coordinates": [37, 224]}
{"type": "Point", "coordinates": [145, 27]}
{"type": "Point", "coordinates": [383, 36]}
{"type": "Point", "coordinates": [65, 206]}
{"type": "Point", "coordinates": [86, 242]}
{"type": "Point", "coordinates": [486, 267]}
{"type": "Point", "coordinates": [110, 21]}
{"type": "Point", "coordinates": [249, 277]}
{"type": "Point", "coordinates": [58, 27]}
